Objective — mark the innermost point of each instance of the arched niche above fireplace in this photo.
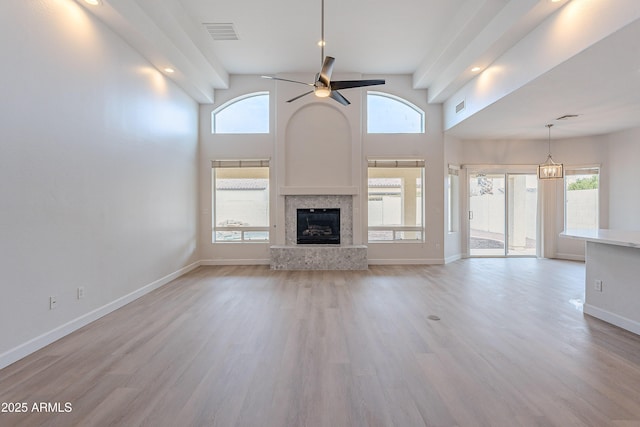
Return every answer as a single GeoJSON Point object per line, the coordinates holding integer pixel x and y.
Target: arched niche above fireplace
{"type": "Point", "coordinates": [318, 148]}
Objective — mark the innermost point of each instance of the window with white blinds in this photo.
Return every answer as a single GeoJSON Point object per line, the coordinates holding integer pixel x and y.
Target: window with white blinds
{"type": "Point", "coordinates": [240, 200]}
{"type": "Point", "coordinates": [395, 200]}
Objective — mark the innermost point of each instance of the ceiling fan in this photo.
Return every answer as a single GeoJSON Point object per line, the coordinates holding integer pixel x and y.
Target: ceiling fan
{"type": "Point", "coordinates": [323, 87]}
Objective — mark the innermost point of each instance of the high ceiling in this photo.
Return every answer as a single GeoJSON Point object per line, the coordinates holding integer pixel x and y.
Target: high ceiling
{"type": "Point", "coordinates": [437, 42]}
{"type": "Point", "coordinates": [367, 36]}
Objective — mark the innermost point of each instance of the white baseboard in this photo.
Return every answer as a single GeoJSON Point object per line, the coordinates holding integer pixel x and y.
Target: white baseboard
{"type": "Point", "coordinates": [235, 262]}
{"type": "Point", "coordinates": [570, 257]}
{"type": "Point", "coordinates": [407, 261]}
{"type": "Point", "coordinates": [452, 258]}
{"type": "Point", "coordinates": [47, 338]}
{"type": "Point", "coordinates": [614, 319]}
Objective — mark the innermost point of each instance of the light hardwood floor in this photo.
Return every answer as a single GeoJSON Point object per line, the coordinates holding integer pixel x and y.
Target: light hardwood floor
{"type": "Point", "coordinates": [246, 346]}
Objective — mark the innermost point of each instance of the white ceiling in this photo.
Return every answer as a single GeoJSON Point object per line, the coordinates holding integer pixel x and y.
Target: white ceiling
{"type": "Point", "coordinates": [374, 37]}
{"type": "Point", "coordinates": [601, 85]}
{"type": "Point", "coordinates": [437, 42]}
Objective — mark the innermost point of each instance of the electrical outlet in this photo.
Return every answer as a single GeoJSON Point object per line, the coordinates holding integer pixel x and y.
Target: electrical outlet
{"type": "Point", "coordinates": [598, 285]}
{"type": "Point", "coordinates": [53, 302]}
{"type": "Point", "coordinates": [81, 292]}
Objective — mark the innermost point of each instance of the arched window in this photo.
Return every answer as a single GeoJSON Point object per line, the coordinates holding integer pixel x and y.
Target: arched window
{"type": "Point", "coordinates": [245, 114]}
{"type": "Point", "coordinates": [391, 114]}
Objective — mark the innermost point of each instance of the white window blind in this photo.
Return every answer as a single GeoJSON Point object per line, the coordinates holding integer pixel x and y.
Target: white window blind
{"type": "Point", "coordinates": [418, 163]}
{"type": "Point", "coordinates": [244, 163]}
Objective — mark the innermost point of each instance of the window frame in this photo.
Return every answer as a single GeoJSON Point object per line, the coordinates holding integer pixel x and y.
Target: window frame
{"type": "Point", "coordinates": [453, 199]}
{"type": "Point", "coordinates": [406, 103]}
{"type": "Point", "coordinates": [236, 100]}
{"type": "Point", "coordinates": [570, 171]}
{"type": "Point", "coordinates": [397, 230]}
{"type": "Point", "coordinates": [241, 229]}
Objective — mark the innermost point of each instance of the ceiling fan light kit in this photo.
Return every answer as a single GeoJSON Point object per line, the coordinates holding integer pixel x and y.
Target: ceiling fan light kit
{"type": "Point", "coordinates": [323, 87]}
{"type": "Point", "coordinates": [322, 92]}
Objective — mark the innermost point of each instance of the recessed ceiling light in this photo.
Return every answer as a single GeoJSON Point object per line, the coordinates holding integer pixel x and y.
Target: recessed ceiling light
{"type": "Point", "coordinates": [93, 2]}
{"type": "Point", "coordinates": [476, 69]}
{"type": "Point", "coordinates": [322, 43]}
{"type": "Point", "coordinates": [169, 70]}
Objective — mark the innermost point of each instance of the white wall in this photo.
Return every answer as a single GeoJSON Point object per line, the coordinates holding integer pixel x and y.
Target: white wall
{"type": "Point", "coordinates": [428, 146]}
{"type": "Point", "coordinates": [618, 268]}
{"type": "Point", "coordinates": [318, 147]}
{"type": "Point", "coordinates": [624, 181]}
{"type": "Point", "coordinates": [98, 172]}
{"type": "Point", "coordinates": [218, 147]}
{"type": "Point", "coordinates": [590, 150]}
{"type": "Point", "coordinates": [573, 28]}
{"type": "Point", "coordinates": [453, 240]}
{"type": "Point", "coordinates": [302, 134]}
{"type": "Point", "coordinates": [572, 152]}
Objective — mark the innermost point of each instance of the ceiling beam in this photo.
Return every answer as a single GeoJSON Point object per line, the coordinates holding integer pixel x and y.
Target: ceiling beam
{"type": "Point", "coordinates": [470, 19]}
{"type": "Point", "coordinates": [575, 27]}
{"type": "Point", "coordinates": [161, 33]}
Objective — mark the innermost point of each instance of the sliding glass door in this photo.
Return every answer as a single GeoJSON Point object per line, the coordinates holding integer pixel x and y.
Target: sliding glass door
{"type": "Point", "coordinates": [502, 214]}
{"type": "Point", "coordinates": [522, 209]}
{"type": "Point", "coordinates": [486, 215]}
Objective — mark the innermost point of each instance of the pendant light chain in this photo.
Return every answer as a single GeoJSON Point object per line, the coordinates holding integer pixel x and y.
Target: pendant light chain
{"type": "Point", "coordinates": [549, 127]}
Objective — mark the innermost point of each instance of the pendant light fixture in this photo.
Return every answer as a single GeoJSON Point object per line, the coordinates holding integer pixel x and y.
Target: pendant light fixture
{"type": "Point", "coordinates": [550, 169]}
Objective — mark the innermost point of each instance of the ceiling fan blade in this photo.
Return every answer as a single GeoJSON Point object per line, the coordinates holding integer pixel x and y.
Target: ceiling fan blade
{"type": "Point", "coordinates": [286, 80]}
{"type": "Point", "coordinates": [300, 96]}
{"type": "Point", "coordinates": [327, 69]}
{"type": "Point", "coordinates": [335, 95]}
{"type": "Point", "coordinates": [348, 84]}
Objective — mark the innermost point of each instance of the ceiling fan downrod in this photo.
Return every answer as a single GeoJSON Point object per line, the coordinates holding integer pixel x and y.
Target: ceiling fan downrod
{"type": "Point", "coordinates": [322, 41]}
{"type": "Point", "coordinates": [323, 86]}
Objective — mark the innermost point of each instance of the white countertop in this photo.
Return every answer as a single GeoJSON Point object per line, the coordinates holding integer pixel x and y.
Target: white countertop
{"type": "Point", "coordinates": [627, 238]}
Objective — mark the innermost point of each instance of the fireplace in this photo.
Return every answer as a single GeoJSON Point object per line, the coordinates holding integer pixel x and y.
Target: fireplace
{"type": "Point", "coordinates": [339, 254]}
{"type": "Point", "coordinates": [318, 226]}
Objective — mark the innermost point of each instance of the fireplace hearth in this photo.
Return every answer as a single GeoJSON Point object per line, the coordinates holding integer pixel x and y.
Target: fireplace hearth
{"type": "Point", "coordinates": [318, 226]}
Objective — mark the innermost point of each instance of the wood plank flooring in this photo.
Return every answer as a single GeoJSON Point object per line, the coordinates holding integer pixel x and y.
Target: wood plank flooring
{"type": "Point", "coordinates": [246, 346]}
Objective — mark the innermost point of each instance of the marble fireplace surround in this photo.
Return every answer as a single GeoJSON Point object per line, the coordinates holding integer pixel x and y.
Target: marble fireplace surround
{"type": "Point", "coordinates": [345, 256]}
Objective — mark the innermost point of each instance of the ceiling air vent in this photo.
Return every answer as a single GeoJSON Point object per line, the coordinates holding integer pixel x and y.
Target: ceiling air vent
{"type": "Point", "coordinates": [221, 31]}
{"type": "Point", "coordinates": [460, 106]}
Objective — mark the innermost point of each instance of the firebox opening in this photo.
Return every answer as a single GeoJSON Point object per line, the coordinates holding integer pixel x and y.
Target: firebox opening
{"type": "Point", "coordinates": [318, 226]}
